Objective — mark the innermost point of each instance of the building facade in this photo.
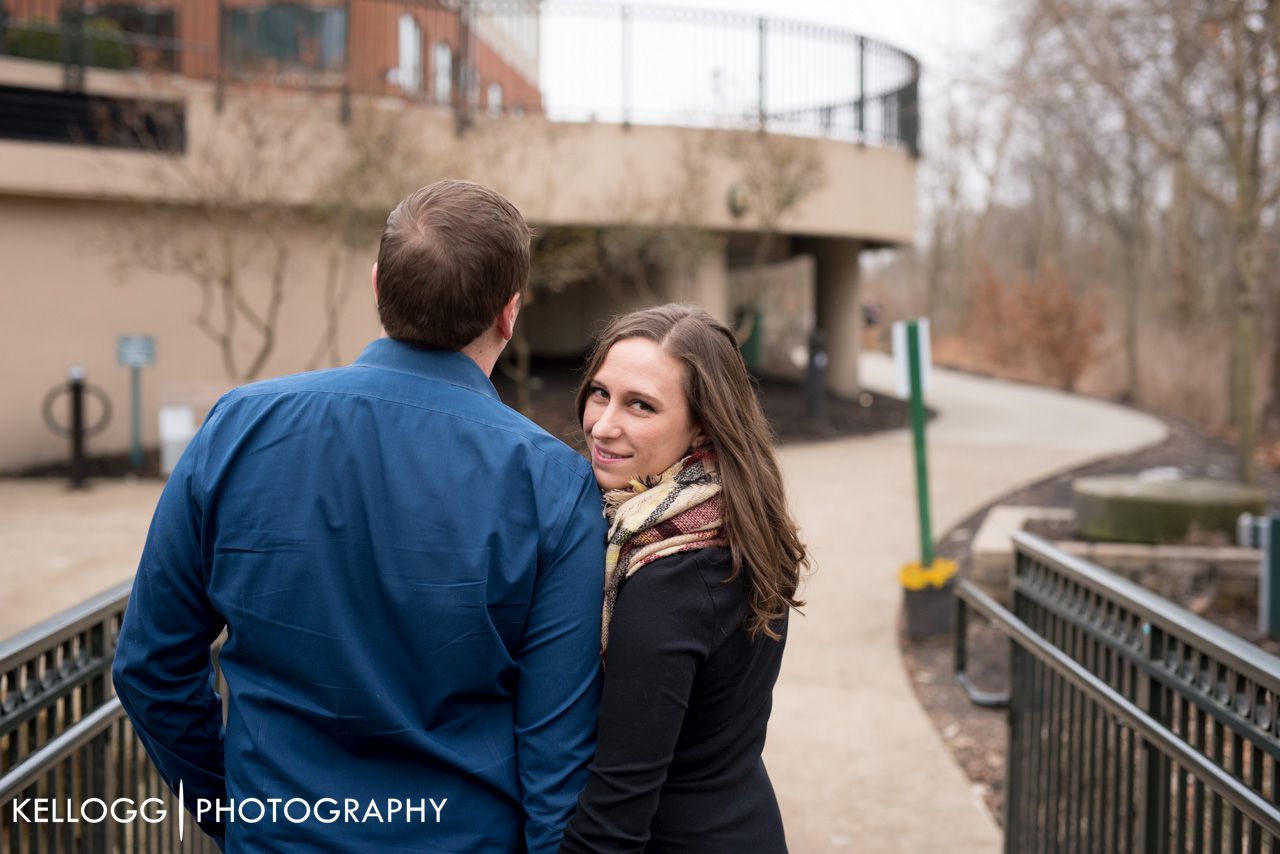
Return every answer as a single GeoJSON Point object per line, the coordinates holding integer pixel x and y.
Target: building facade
{"type": "Point", "coordinates": [212, 175]}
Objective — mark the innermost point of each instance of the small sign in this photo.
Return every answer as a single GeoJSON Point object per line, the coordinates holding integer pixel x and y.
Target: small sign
{"type": "Point", "coordinates": [136, 351]}
{"type": "Point", "coordinates": [902, 367]}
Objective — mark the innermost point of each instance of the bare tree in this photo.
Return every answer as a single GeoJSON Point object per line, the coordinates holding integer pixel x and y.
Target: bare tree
{"type": "Point", "coordinates": [776, 174]}
{"type": "Point", "coordinates": [1104, 165]}
{"type": "Point", "coordinates": [651, 238]}
{"type": "Point", "coordinates": [1197, 79]}
{"type": "Point", "coordinates": [225, 223]}
{"type": "Point", "coordinates": [382, 159]}
{"type": "Point", "coordinates": [266, 169]}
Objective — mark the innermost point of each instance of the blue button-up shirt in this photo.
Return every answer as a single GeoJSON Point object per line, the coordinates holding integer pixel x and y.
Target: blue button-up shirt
{"type": "Point", "coordinates": [409, 574]}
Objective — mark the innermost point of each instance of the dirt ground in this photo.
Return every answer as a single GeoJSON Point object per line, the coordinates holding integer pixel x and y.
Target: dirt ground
{"type": "Point", "coordinates": [977, 737]}
{"type": "Point", "coordinates": [554, 385]}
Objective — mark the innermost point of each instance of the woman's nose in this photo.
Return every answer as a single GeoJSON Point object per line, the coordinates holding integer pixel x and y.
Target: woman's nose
{"type": "Point", "coordinates": [606, 425]}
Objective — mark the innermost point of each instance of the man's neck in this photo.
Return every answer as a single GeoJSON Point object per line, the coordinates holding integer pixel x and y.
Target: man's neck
{"type": "Point", "coordinates": [484, 351]}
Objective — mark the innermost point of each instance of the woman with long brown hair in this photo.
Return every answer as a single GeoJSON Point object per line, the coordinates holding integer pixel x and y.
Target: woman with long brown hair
{"type": "Point", "coordinates": [702, 566]}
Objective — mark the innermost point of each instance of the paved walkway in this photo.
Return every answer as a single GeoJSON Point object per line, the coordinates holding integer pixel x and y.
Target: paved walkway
{"type": "Point", "coordinates": [59, 546]}
{"type": "Point", "coordinates": [855, 760]}
{"type": "Point", "coordinates": [856, 763]}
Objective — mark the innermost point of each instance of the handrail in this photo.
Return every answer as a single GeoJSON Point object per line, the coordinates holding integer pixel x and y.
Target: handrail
{"type": "Point", "coordinates": [62, 626]}
{"type": "Point", "coordinates": [985, 699]}
{"type": "Point", "coordinates": [685, 67]}
{"type": "Point", "coordinates": [1241, 655]}
{"type": "Point", "coordinates": [46, 758]}
{"type": "Point", "coordinates": [1240, 796]}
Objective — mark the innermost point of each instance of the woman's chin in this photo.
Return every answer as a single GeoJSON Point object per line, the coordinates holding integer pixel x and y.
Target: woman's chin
{"type": "Point", "coordinates": [607, 480]}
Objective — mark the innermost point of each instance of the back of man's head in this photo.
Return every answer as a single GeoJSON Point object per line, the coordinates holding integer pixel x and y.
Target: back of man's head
{"type": "Point", "coordinates": [452, 255]}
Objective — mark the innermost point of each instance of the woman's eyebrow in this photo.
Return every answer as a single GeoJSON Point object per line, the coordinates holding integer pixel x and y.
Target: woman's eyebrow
{"type": "Point", "coordinates": [649, 396]}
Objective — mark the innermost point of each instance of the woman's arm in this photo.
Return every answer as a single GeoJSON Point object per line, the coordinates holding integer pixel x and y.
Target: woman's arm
{"type": "Point", "coordinates": [661, 633]}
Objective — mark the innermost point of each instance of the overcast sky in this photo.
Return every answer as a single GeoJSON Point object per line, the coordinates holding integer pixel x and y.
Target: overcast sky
{"type": "Point", "coordinates": [945, 35]}
{"type": "Point", "coordinates": [691, 66]}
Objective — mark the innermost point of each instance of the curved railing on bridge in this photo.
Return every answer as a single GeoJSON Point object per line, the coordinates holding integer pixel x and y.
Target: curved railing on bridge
{"type": "Point", "coordinates": [1134, 725]}
{"type": "Point", "coordinates": [569, 60]}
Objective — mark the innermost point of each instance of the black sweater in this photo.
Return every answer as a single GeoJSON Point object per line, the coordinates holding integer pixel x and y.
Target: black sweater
{"type": "Point", "coordinates": [686, 702]}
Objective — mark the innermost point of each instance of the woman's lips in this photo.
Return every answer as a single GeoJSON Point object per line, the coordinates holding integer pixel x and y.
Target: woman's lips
{"type": "Point", "coordinates": [605, 457]}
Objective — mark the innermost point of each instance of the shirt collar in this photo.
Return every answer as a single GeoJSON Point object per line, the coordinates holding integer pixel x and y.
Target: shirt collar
{"type": "Point", "coordinates": [449, 366]}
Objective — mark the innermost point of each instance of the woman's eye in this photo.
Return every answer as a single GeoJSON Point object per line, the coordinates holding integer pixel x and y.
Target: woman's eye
{"type": "Point", "coordinates": [596, 391]}
{"type": "Point", "coordinates": [642, 406]}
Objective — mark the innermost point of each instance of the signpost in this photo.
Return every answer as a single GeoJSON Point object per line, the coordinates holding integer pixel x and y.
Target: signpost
{"type": "Point", "coordinates": [136, 352]}
{"type": "Point", "coordinates": [927, 583]}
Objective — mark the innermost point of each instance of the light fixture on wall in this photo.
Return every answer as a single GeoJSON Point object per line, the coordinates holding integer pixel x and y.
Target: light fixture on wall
{"type": "Point", "coordinates": [737, 199]}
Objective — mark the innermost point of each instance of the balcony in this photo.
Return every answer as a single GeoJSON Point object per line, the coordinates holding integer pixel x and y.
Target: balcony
{"type": "Point", "coordinates": [566, 60]}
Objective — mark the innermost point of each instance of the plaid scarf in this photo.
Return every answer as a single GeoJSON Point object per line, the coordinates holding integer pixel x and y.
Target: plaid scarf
{"type": "Point", "coordinates": [666, 514]}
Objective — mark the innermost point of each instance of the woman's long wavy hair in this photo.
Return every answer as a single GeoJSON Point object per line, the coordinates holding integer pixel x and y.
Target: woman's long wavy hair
{"type": "Point", "coordinates": [762, 537]}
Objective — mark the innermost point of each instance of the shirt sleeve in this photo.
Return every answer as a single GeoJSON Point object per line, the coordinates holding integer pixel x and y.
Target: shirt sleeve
{"type": "Point", "coordinates": [163, 671]}
{"type": "Point", "coordinates": [558, 692]}
{"type": "Point", "coordinates": [660, 635]}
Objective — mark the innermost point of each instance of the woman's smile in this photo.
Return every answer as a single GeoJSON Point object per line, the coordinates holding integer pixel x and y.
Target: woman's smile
{"type": "Point", "coordinates": [605, 457]}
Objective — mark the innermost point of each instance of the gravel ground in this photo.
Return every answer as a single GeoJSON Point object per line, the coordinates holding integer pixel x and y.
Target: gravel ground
{"type": "Point", "coordinates": [977, 736]}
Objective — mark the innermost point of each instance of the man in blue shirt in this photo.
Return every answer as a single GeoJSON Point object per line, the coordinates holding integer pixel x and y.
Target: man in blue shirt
{"type": "Point", "coordinates": [408, 572]}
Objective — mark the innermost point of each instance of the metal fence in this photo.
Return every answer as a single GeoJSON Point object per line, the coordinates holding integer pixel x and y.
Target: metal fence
{"type": "Point", "coordinates": [73, 776]}
{"type": "Point", "coordinates": [1133, 724]}
{"type": "Point", "coordinates": [566, 59]}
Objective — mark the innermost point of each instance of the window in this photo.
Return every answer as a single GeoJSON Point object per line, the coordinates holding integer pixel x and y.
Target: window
{"type": "Point", "coordinates": [74, 118]}
{"type": "Point", "coordinates": [442, 62]}
{"type": "Point", "coordinates": [409, 71]}
{"type": "Point", "coordinates": [285, 36]}
{"type": "Point", "coordinates": [150, 33]}
{"type": "Point", "coordinates": [493, 98]}
{"type": "Point", "coordinates": [114, 36]}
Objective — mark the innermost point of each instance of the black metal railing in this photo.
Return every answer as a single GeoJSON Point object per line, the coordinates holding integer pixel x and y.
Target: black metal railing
{"type": "Point", "coordinates": [565, 59]}
{"type": "Point", "coordinates": [73, 775]}
{"type": "Point", "coordinates": [1133, 724]}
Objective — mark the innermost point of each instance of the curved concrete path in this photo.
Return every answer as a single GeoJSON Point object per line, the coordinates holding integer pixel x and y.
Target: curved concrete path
{"type": "Point", "coordinates": [855, 760]}
{"type": "Point", "coordinates": [856, 763]}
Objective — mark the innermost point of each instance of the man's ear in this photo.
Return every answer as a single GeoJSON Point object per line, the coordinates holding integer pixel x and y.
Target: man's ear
{"type": "Point", "coordinates": [374, 276]}
{"type": "Point", "coordinates": [506, 321]}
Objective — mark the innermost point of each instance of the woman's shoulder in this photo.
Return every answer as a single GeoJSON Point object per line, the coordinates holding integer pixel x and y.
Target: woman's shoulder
{"type": "Point", "coordinates": [688, 572]}
{"type": "Point", "coordinates": [714, 562]}
{"type": "Point", "coordinates": [696, 575]}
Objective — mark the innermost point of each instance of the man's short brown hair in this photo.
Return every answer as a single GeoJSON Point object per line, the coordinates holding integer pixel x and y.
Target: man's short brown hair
{"type": "Point", "coordinates": [452, 254]}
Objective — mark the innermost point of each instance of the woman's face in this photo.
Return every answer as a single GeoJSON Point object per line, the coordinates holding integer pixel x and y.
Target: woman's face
{"type": "Point", "coordinates": [636, 418]}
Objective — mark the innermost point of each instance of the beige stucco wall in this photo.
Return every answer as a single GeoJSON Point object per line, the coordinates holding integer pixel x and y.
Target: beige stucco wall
{"type": "Point", "coordinates": [68, 212]}
{"type": "Point", "coordinates": [558, 173]}
{"type": "Point", "coordinates": [63, 305]}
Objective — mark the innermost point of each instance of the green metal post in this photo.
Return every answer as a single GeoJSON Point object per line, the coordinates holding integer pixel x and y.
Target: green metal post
{"type": "Point", "coordinates": [917, 431]}
{"type": "Point", "coordinates": [135, 382]}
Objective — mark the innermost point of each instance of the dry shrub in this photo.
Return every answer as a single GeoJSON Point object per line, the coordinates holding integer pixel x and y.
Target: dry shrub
{"type": "Point", "coordinates": [1183, 370]}
{"type": "Point", "coordinates": [1036, 329]}
{"type": "Point", "coordinates": [991, 324]}
{"type": "Point", "coordinates": [1062, 327]}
